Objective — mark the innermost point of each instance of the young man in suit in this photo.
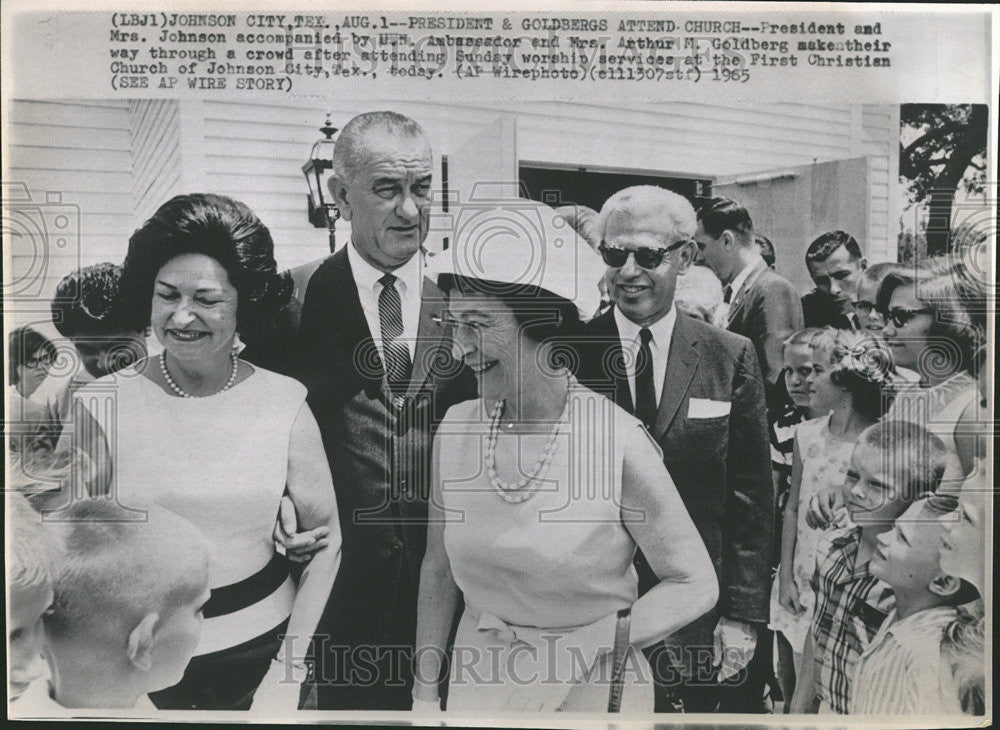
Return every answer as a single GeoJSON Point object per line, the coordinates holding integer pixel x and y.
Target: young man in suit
{"type": "Point", "coordinates": [836, 265]}
{"type": "Point", "coordinates": [380, 376]}
{"type": "Point", "coordinates": [763, 305]}
{"type": "Point", "coordinates": [698, 389]}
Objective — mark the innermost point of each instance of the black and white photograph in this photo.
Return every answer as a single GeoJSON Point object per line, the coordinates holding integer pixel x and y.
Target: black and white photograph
{"type": "Point", "coordinates": [556, 366]}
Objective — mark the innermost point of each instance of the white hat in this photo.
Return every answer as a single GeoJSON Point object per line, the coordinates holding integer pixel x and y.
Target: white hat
{"type": "Point", "coordinates": [522, 242]}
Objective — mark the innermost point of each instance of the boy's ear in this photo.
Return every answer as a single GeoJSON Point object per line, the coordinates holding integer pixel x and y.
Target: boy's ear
{"type": "Point", "coordinates": [945, 585]}
{"type": "Point", "coordinates": [140, 642]}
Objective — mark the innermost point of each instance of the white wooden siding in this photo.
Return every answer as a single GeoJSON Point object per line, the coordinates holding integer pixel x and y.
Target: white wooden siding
{"type": "Point", "coordinates": [74, 161]}
{"type": "Point", "coordinates": [119, 160]}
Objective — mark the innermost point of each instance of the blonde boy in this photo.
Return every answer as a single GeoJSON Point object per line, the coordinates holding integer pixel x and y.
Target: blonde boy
{"type": "Point", "coordinates": [126, 615]}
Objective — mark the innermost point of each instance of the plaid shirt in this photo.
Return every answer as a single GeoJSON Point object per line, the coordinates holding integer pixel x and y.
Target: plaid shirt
{"type": "Point", "coordinates": [851, 606]}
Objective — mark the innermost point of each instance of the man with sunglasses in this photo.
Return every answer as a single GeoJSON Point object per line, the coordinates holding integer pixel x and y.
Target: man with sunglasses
{"type": "Point", "coordinates": [763, 305]}
{"type": "Point", "coordinates": [698, 389]}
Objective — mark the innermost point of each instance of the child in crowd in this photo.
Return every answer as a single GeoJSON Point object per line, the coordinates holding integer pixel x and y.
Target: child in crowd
{"type": "Point", "coordinates": [126, 618]}
{"type": "Point", "coordinates": [900, 671]}
{"type": "Point", "coordinates": [849, 371]}
{"type": "Point", "coordinates": [963, 553]}
{"type": "Point", "coordinates": [88, 311]}
{"type": "Point", "coordinates": [797, 374]}
{"type": "Point", "coordinates": [29, 575]}
{"type": "Point", "coordinates": [963, 659]}
{"type": "Point", "coordinates": [892, 464]}
{"type": "Point", "coordinates": [30, 355]}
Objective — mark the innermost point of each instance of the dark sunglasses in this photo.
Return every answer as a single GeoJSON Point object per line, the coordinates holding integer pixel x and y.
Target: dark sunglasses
{"type": "Point", "coordinates": [647, 258]}
{"type": "Point", "coordinates": [899, 317]}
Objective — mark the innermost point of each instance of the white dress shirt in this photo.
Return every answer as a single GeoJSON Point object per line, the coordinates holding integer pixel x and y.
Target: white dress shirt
{"type": "Point", "coordinates": [659, 346]}
{"type": "Point", "coordinates": [737, 282]}
{"type": "Point", "coordinates": [409, 278]}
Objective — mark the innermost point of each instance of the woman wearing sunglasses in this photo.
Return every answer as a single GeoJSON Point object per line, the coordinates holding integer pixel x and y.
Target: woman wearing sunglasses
{"type": "Point", "coordinates": [542, 491]}
{"type": "Point", "coordinates": [932, 328]}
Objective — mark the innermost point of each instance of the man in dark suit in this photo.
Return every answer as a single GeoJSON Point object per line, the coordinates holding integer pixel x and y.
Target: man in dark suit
{"type": "Point", "coordinates": [380, 376]}
{"type": "Point", "coordinates": [698, 389]}
{"type": "Point", "coordinates": [763, 305]}
{"type": "Point", "coordinates": [836, 265]}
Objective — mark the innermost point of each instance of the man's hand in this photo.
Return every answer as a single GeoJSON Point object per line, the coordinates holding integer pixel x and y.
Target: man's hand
{"type": "Point", "coordinates": [826, 509]}
{"type": "Point", "coordinates": [735, 642]}
{"type": "Point", "coordinates": [299, 546]}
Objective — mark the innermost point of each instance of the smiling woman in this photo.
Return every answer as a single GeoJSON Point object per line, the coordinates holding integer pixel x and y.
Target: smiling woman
{"type": "Point", "coordinates": [525, 485]}
{"type": "Point", "coordinates": [218, 441]}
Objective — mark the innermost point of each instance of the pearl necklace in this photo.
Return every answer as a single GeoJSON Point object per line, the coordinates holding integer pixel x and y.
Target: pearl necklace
{"type": "Point", "coordinates": [518, 492]}
{"type": "Point", "coordinates": [184, 394]}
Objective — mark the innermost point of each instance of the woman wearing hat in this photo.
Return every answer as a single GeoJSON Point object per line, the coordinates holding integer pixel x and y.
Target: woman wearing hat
{"type": "Point", "coordinates": [542, 492]}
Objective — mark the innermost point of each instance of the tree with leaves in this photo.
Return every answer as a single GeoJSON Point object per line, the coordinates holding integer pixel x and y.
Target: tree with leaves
{"type": "Point", "coordinates": [947, 152]}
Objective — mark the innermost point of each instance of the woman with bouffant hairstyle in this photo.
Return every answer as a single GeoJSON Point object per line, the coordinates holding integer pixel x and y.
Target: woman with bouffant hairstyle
{"type": "Point", "coordinates": [218, 227]}
{"type": "Point", "coordinates": [204, 433]}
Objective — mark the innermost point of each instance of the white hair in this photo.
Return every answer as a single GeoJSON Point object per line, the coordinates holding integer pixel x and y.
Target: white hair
{"type": "Point", "coordinates": [349, 149]}
{"type": "Point", "coordinates": [646, 200]}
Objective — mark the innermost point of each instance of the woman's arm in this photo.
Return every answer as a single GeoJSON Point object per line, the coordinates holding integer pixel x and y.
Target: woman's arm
{"type": "Point", "coordinates": [669, 540]}
{"type": "Point", "coordinates": [311, 490]}
{"type": "Point", "coordinates": [438, 595]}
{"type": "Point", "coordinates": [788, 596]}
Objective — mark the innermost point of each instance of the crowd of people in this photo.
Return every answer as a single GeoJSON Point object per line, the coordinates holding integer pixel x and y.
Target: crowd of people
{"type": "Point", "coordinates": [599, 461]}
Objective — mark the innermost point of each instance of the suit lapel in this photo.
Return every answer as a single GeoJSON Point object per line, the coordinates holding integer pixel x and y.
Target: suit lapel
{"type": "Point", "coordinates": [610, 359]}
{"type": "Point", "coordinates": [353, 346]}
{"type": "Point", "coordinates": [430, 337]}
{"type": "Point", "coordinates": [741, 296]}
{"type": "Point", "coordinates": [682, 362]}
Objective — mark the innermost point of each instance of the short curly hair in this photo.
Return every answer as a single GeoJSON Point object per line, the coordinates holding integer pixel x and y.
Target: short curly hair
{"type": "Point", "coordinates": [862, 364]}
{"type": "Point", "coordinates": [220, 228]}
{"type": "Point", "coordinates": [88, 303]}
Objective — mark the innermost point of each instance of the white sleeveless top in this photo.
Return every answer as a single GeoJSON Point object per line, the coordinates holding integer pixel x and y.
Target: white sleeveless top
{"type": "Point", "coordinates": [539, 569]}
{"type": "Point", "coordinates": [220, 462]}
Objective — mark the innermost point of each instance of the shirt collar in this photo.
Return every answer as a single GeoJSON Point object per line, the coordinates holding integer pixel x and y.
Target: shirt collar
{"type": "Point", "coordinates": [914, 628]}
{"type": "Point", "coordinates": [662, 329]}
{"type": "Point", "coordinates": [741, 277]}
{"type": "Point", "coordinates": [367, 276]}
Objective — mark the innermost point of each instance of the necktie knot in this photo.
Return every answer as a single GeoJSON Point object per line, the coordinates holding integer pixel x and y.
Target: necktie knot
{"type": "Point", "coordinates": [387, 281]}
{"type": "Point", "coordinates": [645, 336]}
{"type": "Point", "coordinates": [727, 294]}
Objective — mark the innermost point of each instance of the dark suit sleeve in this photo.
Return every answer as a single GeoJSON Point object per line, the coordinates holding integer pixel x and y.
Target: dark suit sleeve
{"type": "Point", "coordinates": [749, 521]}
{"type": "Point", "coordinates": [313, 335]}
{"type": "Point", "coordinates": [782, 310]}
